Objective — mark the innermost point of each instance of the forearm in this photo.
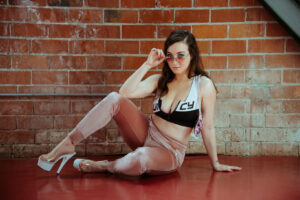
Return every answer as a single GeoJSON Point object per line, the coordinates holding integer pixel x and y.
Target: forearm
{"type": "Point", "coordinates": [209, 139]}
{"type": "Point", "coordinates": [132, 82]}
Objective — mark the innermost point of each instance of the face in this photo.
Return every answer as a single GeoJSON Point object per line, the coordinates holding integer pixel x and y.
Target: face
{"type": "Point", "coordinates": [178, 58]}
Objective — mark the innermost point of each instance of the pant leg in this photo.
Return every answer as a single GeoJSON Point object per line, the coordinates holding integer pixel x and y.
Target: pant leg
{"type": "Point", "coordinates": [159, 155]}
{"type": "Point", "coordinates": [132, 123]}
{"type": "Point", "coordinates": [150, 160]}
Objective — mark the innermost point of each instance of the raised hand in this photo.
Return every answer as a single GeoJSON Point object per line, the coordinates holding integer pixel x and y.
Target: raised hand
{"type": "Point", "coordinates": [155, 57]}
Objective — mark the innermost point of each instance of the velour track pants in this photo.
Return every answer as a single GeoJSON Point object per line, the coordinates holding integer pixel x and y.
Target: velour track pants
{"type": "Point", "coordinates": [153, 152]}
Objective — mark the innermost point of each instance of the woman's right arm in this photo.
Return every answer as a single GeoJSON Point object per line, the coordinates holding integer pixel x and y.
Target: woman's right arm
{"type": "Point", "coordinates": [134, 87]}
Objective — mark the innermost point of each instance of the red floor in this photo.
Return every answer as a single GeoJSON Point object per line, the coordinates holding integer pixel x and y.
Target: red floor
{"type": "Point", "coordinates": [261, 178]}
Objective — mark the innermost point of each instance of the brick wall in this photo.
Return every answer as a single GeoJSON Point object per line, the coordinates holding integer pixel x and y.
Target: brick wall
{"type": "Point", "coordinates": [90, 47]}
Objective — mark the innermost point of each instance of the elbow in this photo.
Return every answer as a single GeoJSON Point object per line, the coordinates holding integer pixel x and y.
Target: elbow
{"type": "Point", "coordinates": [123, 93]}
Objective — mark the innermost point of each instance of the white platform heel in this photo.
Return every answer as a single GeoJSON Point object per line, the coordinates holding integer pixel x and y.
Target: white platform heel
{"type": "Point", "coordinates": [47, 165]}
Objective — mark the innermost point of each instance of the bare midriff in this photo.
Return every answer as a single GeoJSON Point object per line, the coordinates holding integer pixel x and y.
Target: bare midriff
{"type": "Point", "coordinates": [177, 132]}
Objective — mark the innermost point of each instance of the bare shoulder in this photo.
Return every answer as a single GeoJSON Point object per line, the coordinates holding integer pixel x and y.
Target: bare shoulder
{"type": "Point", "coordinates": [206, 87]}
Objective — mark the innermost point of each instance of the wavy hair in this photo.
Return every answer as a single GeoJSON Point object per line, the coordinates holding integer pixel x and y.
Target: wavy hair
{"type": "Point", "coordinates": [196, 66]}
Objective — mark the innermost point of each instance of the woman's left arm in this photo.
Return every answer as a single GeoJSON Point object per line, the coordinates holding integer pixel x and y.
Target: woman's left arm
{"type": "Point", "coordinates": [208, 130]}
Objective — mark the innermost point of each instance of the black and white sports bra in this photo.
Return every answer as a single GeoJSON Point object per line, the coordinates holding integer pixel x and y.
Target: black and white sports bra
{"type": "Point", "coordinates": [186, 112]}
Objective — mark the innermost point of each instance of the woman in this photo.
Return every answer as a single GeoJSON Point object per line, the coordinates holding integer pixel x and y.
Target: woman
{"type": "Point", "coordinates": [185, 98]}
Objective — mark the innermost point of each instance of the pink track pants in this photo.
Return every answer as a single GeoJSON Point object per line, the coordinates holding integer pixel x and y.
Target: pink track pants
{"type": "Point", "coordinates": [153, 153]}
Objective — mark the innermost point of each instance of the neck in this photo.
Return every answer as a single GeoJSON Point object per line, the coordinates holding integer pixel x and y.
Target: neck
{"type": "Point", "coordinates": [181, 77]}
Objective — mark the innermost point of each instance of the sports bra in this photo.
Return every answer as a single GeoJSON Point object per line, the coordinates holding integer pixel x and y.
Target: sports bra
{"type": "Point", "coordinates": [186, 112]}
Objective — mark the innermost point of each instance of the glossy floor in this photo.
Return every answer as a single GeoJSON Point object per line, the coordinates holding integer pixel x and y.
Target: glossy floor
{"type": "Point", "coordinates": [261, 178]}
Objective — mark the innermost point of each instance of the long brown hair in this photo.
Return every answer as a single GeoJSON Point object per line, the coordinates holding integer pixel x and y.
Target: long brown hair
{"type": "Point", "coordinates": [196, 66]}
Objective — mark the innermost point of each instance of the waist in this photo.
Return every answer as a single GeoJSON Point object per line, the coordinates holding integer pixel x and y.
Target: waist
{"type": "Point", "coordinates": [176, 141]}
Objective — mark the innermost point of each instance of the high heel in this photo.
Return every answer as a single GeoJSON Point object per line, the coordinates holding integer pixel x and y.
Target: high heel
{"type": "Point", "coordinates": [47, 165]}
{"type": "Point", "coordinates": [77, 162]}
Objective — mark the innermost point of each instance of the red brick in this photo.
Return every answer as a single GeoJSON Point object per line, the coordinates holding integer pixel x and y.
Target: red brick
{"type": "Point", "coordinates": [87, 46]}
{"type": "Point", "coordinates": [73, 89]}
{"type": "Point", "coordinates": [228, 15]}
{"type": "Point", "coordinates": [103, 62]}
{"type": "Point", "coordinates": [28, 3]}
{"type": "Point", "coordinates": [49, 77]}
{"type": "Point", "coordinates": [49, 46]}
{"type": "Point", "coordinates": [122, 47]}
{"type": "Point", "coordinates": [16, 137]}
{"type": "Point", "coordinates": [103, 31]}
{"type": "Point", "coordinates": [133, 62]}
{"type": "Point", "coordinates": [105, 89]}
{"type": "Point", "coordinates": [227, 76]}
{"type": "Point", "coordinates": [258, 14]}
{"type": "Point", "coordinates": [137, 4]}
{"type": "Point", "coordinates": [46, 15]}
{"type": "Point", "coordinates": [36, 89]}
{"type": "Point", "coordinates": [288, 61]}
{"type": "Point", "coordinates": [84, 77]}
{"type": "Point", "coordinates": [174, 3]}
{"type": "Point", "coordinates": [103, 3]}
{"type": "Point", "coordinates": [8, 89]}
{"type": "Point", "coordinates": [291, 106]}
{"type": "Point", "coordinates": [66, 31]}
{"type": "Point", "coordinates": [4, 45]}
{"type": "Point", "coordinates": [85, 16]}
{"type": "Point", "coordinates": [230, 46]}
{"type": "Point", "coordinates": [120, 16]}
{"type": "Point", "coordinates": [29, 30]}
{"type": "Point", "coordinates": [265, 46]}
{"type": "Point", "coordinates": [4, 29]}
{"type": "Point", "coordinates": [246, 62]}
{"type": "Point", "coordinates": [14, 77]}
{"type": "Point", "coordinates": [246, 30]}
{"type": "Point", "coordinates": [263, 76]}
{"type": "Point", "coordinates": [156, 16]}
{"type": "Point", "coordinates": [189, 16]}
{"type": "Point", "coordinates": [66, 121]}
{"type": "Point", "coordinates": [16, 107]}
{"type": "Point", "coordinates": [244, 3]}
{"type": "Point", "coordinates": [210, 31]}
{"type": "Point", "coordinates": [35, 122]}
{"type": "Point", "coordinates": [82, 107]}
{"type": "Point", "coordinates": [292, 46]}
{"type": "Point", "coordinates": [146, 46]}
{"type": "Point", "coordinates": [138, 31]}
{"type": "Point", "coordinates": [163, 31]}
{"type": "Point", "coordinates": [13, 14]}
{"type": "Point", "coordinates": [204, 46]}
{"type": "Point", "coordinates": [14, 45]}
{"type": "Point", "coordinates": [72, 3]}
{"type": "Point", "coordinates": [286, 92]}
{"type": "Point", "coordinates": [276, 30]}
{"type": "Point", "coordinates": [116, 77]}
{"type": "Point", "coordinates": [210, 3]}
{"type": "Point", "coordinates": [291, 76]}
{"type": "Point", "coordinates": [29, 62]}
{"type": "Point", "coordinates": [214, 62]}
{"type": "Point", "coordinates": [4, 61]}
{"type": "Point", "coordinates": [51, 108]}
{"type": "Point", "coordinates": [98, 137]}
{"type": "Point", "coordinates": [8, 123]}
{"type": "Point", "coordinates": [3, 2]}
{"type": "Point", "coordinates": [67, 62]}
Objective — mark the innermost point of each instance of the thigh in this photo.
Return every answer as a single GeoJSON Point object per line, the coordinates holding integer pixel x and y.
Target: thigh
{"type": "Point", "coordinates": [132, 123]}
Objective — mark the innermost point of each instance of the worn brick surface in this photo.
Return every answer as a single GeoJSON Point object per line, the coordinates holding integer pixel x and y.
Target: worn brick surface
{"type": "Point", "coordinates": [91, 47]}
